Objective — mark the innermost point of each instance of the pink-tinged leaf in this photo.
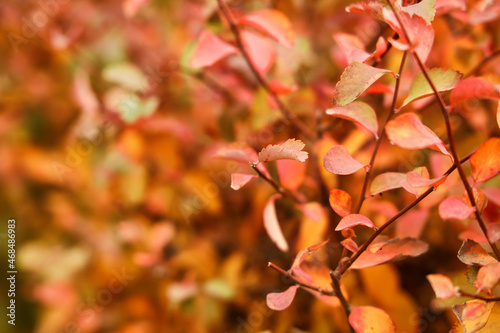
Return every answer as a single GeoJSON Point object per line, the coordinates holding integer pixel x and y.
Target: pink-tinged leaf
{"type": "Point", "coordinates": [370, 8]}
{"type": "Point", "coordinates": [303, 254]}
{"type": "Point", "coordinates": [338, 161]}
{"type": "Point", "coordinates": [471, 253]}
{"type": "Point", "coordinates": [355, 79]}
{"type": "Point", "coordinates": [417, 181]}
{"type": "Point", "coordinates": [488, 277]}
{"type": "Point", "coordinates": [84, 95]}
{"type": "Point", "coordinates": [420, 32]}
{"type": "Point", "coordinates": [260, 50]}
{"type": "Point", "coordinates": [341, 202]}
{"type": "Point", "coordinates": [239, 152]}
{"type": "Point", "coordinates": [280, 89]}
{"type": "Point", "coordinates": [442, 285]}
{"type": "Point", "coordinates": [398, 44]}
{"type": "Point", "coordinates": [359, 112]}
{"type": "Point", "coordinates": [313, 210]}
{"type": "Point", "coordinates": [349, 244]}
{"type": "Point", "coordinates": [443, 79]}
{"type": "Point", "coordinates": [485, 161]}
{"type": "Point", "coordinates": [131, 7]}
{"type": "Point", "coordinates": [479, 198]}
{"type": "Point", "coordinates": [280, 301]}
{"type": "Point", "coordinates": [369, 319]}
{"type": "Point", "coordinates": [351, 46]}
{"type": "Point", "coordinates": [386, 181]}
{"type": "Point", "coordinates": [407, 131]}
{"type": "Point", "coordinates": [424, 9]}
{"type": "Point", "coordinates": [272, 225]}
{"type": "Point", "coordinates": [473, 315]}
{"type": "Point", "coordinates": [291, 149]}
{"type": "Point", "coordinates": [272, 23]}
{"type": "Point", "coordinates": [394, 249]}
{"type": "Point", "coordinates": [380, 48]}
{"type": "Point", "coordinates": [473, 87]}
{"type": "Point", "coordinates": [412, 223]}
{"type": "Point", "coordinates": [354, 219]}
{"type": "Point", "coordinates": [291, 173]}
{"type": "Point", "coordinates": [494, 232]}
{"type": "Point", "coordinates": [445, 6]}
{"type": "Point", "coordinates": [209, 50]}
{"type": "Point", "coordinates": [238, 180]}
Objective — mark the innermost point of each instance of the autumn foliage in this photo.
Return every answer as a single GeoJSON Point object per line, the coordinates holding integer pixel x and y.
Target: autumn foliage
{"type": "Point", "coordinates": [254, 166]}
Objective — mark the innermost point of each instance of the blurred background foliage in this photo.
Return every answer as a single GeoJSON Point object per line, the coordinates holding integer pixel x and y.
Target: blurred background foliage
{"type": "Point", "coordinates": [125, 222]}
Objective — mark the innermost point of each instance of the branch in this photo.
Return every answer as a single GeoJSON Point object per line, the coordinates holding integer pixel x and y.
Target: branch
{"type": "Point", "coordinates": [381, 136]}
{"type": "Point", "coordinates": [289, 117]}
{"type": "Point", "coordinates": [449, 131]}
{"type": "Point", "coordinates": [338, 292]}
{"type": "Point", "coordinates": [280, 189]}
{"type": "Point", "coordinates": [301, 283]}
{"type": "Point", "coordinates": [479, 66]}
{"type": "Point", "coordinates": [487, 299]}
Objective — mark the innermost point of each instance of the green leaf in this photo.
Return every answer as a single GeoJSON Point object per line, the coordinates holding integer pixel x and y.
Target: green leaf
{"type": "Point", "coordinates": [126, 75]}
{"type": "Point", "coordinates": [131, 107]}
{"type": "Point", "coordinates": [424, 9]}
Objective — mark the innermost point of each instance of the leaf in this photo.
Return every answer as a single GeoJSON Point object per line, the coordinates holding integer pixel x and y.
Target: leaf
{"type": "Point", "coordinates": [349, 244]}
{"type": "Point", "coordinates": [473, 315]}
{"type": "Point", "coordinates": [485, 161]}
{"type": "Point", "coordinates": [126, 75]}
{"type": "Point", "coordinates": [131, 107]}
{"type": "Point", "coordinates": [355, 79]}
{"type": "Point", "coordinates": [291, 173]}
{"type": "Point", "coordinates": [454, 208]}
{"type": "Point", "coordinates": [442, 285]}
{"type": "Point", "coordinates": [313, 210]}
{"type": "Point", "coordinates": [498, 115]}
{"type": "Point", "coordinates": [424, 9]}
{"type": "Point", "coordinates": [209, 50]}
{"type": "Point", "coordinates": [341, 202]}
{"type": "Point", "coordinates": [479, 198]}
{"type": "Point", "coordinates": [443, 79]}
{"type": "Point", "coordinates": [412, 223]}
{"type": "Point", "coordinates": [359, 112]}
{"type": "Point", "coordinates": [488, 277]}
{"type": "Point", "coordinates": [338, 161]}
{"type": "Point", "coordinates": [386, 181]}
{"type": "Point", "coordinates": [420, 32]}
{"type": "Point", "coordinates": [494, 232]}
{"type": "Point", "coordinates": [280, 89]}
{"type": "Point", "coordinates": [407, 131]}
{"type": "Point", "coordinates": [271, 224]}
{"type": "Point", "coordinates": [352, 47]}
{"type": "Point", "coordinates": [239, 152]}
{"type": "Point", "coordinates": [291, 149]}
{"type": "Point", "coordinates": [473, 87]}
{"type": "Point", "coordinates": [354, 219]}
{"type": "Point", "coordinates": [238, 180]}
{"type": "Point", "coordinates": [260, 50]}
{"type": "Point", "coordinates": [303, 254]}
{"type": "Point", "coordinates": [369, 319]}
{"type": "Point", "coordinates": [280, 301]}
{"type": "Point", "coordinates": [471, 253]}
{"type": "Point", "coordinates": [370, 8]}
{"type": "Point", "coordinates": [131, 7]}
{"type": "Point", "coordinates": [272, 23]}
{"type": "Point", "coordinates": [394, 249]}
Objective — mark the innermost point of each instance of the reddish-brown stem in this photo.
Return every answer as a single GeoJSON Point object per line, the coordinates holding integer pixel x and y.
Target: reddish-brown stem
{"type": "Point", "coordinates": [301, 283]}
{"type": "Point", "coordinates": [289, 117]}
{"type": "Point", "coordinates": [344, 265]}
{"type": "Point", "coordinates": [381, 136]}
{"type": "Point", "coordinates": [487, 299]}
{"type": "Point", "coordinates": [449, 132]}
{"type": "Point", "coordinates": [280, 189]}
{"type": "Point", "coordinates": [338, 292]}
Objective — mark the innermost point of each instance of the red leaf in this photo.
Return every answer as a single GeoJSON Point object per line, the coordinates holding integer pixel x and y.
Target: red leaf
{"type": "Point", "coordinates": [487, 277]}
{"type": "Point", "coordinates": [291, 149]}
{"type": "Point", "coordinates": [386, 181]}
{"type": "Point", "coordinates": [352, 47]}
{"type": "Point", "coordinates": [380, 48]}
{"type": "Point", "coordinates": [352, 220]}
{"type": "Point", "coordinates": [260, 50]}
{"type": "Point", "coordinates": [209, 50]}
{"type": "Point", "coordinates": [280, 301]}
{"type": "Point", "coordinates": [394, 249]}
{"type": "Point", "coordinates": [341, 202]}
{"type": "Point", "coordinates": [273, 23]}
{"type": "Point", "coordinates": [291, 173]}
{"type": "Point", "coordinates": [442, 285]}
{"type": "Point", "coordinates": [454, 208]}
{"type": "Point", "coordinates": [485, 161]}
{"type": "Point", "coordinates": [473, 87]}
{"type": "Point", "coordinates": [359, 112]}
{"type": "Point", "coordinates": [471, 253]}
{"type": "Point", "coordinates": [303, 254]}
{"type": "Point", "coordinates": [412, 223]}
{"type": "Point", "coordinates": [238, 180]}
{"type": "Point", "coordinates": [473, 315]}
{"type": "Point", "coordinates": [338, 161]}
{"type": "Point", "coordinates": [272, 226]}
{"type": "Point", "coordinates": [349, 244]}
{"type": "Point", "coordinates": [369, 319]}
{"type": "Point", "coordinates": [355, 79]}
{"type": "Point", "coordinates": [280, 89]}
{"type": "Point", "coordinates": [407, 131]}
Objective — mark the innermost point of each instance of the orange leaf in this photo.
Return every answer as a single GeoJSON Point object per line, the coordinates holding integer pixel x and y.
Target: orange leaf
{"type": "Point", "coordinates": [471, 253]}
{"type": "Point", "coordinates": [473, 315]}
{"type": "Point", "coordinates": [485, 161]}
{"type": "Point", "coordinates": [209, 50]}
{"type": "Point", "coordinates": [442, 285]}
{"type": "Point", "coordinates": [338, 161]}
{"type": "Point", "coordinates": [349, 244]}
{"type": "Point", "coordinates": [454, 208]}
{"type": "Point", "coordinates": [260, 51]}
{"type": "Point", "coordinates": [273, 23]}
{"type": "Point", "coordinates": [341, 202]}
{"type": "Point", "coordinates": [473, 87]}
{"type": "Point", "coordinates": [386, 181]}
{"type": "Point", "coordinates": [368, 319]}
{"type": "Point", "coordinates": [487, 277]}
{"type": "Point", "coordinates": [291, 173]}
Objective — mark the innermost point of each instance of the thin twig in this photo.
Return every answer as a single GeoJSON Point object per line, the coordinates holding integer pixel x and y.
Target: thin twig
{"type": "Point", "coordinates": [381, 136]}
{"type": "Point", "coordinates": [300, 282]}
{"type": "Point", "coordinates": [486, 60]}
{"type": "Point", "coordinates": [280, 189]}
{"type": "Point", "coordinates": [338, 292]}
{"type": "Point", "coordinates": [289, 117]}
{"type": "Point", "coordinates": [449, 131]}
{"type": "Point", "coordinates": [487, 299]}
